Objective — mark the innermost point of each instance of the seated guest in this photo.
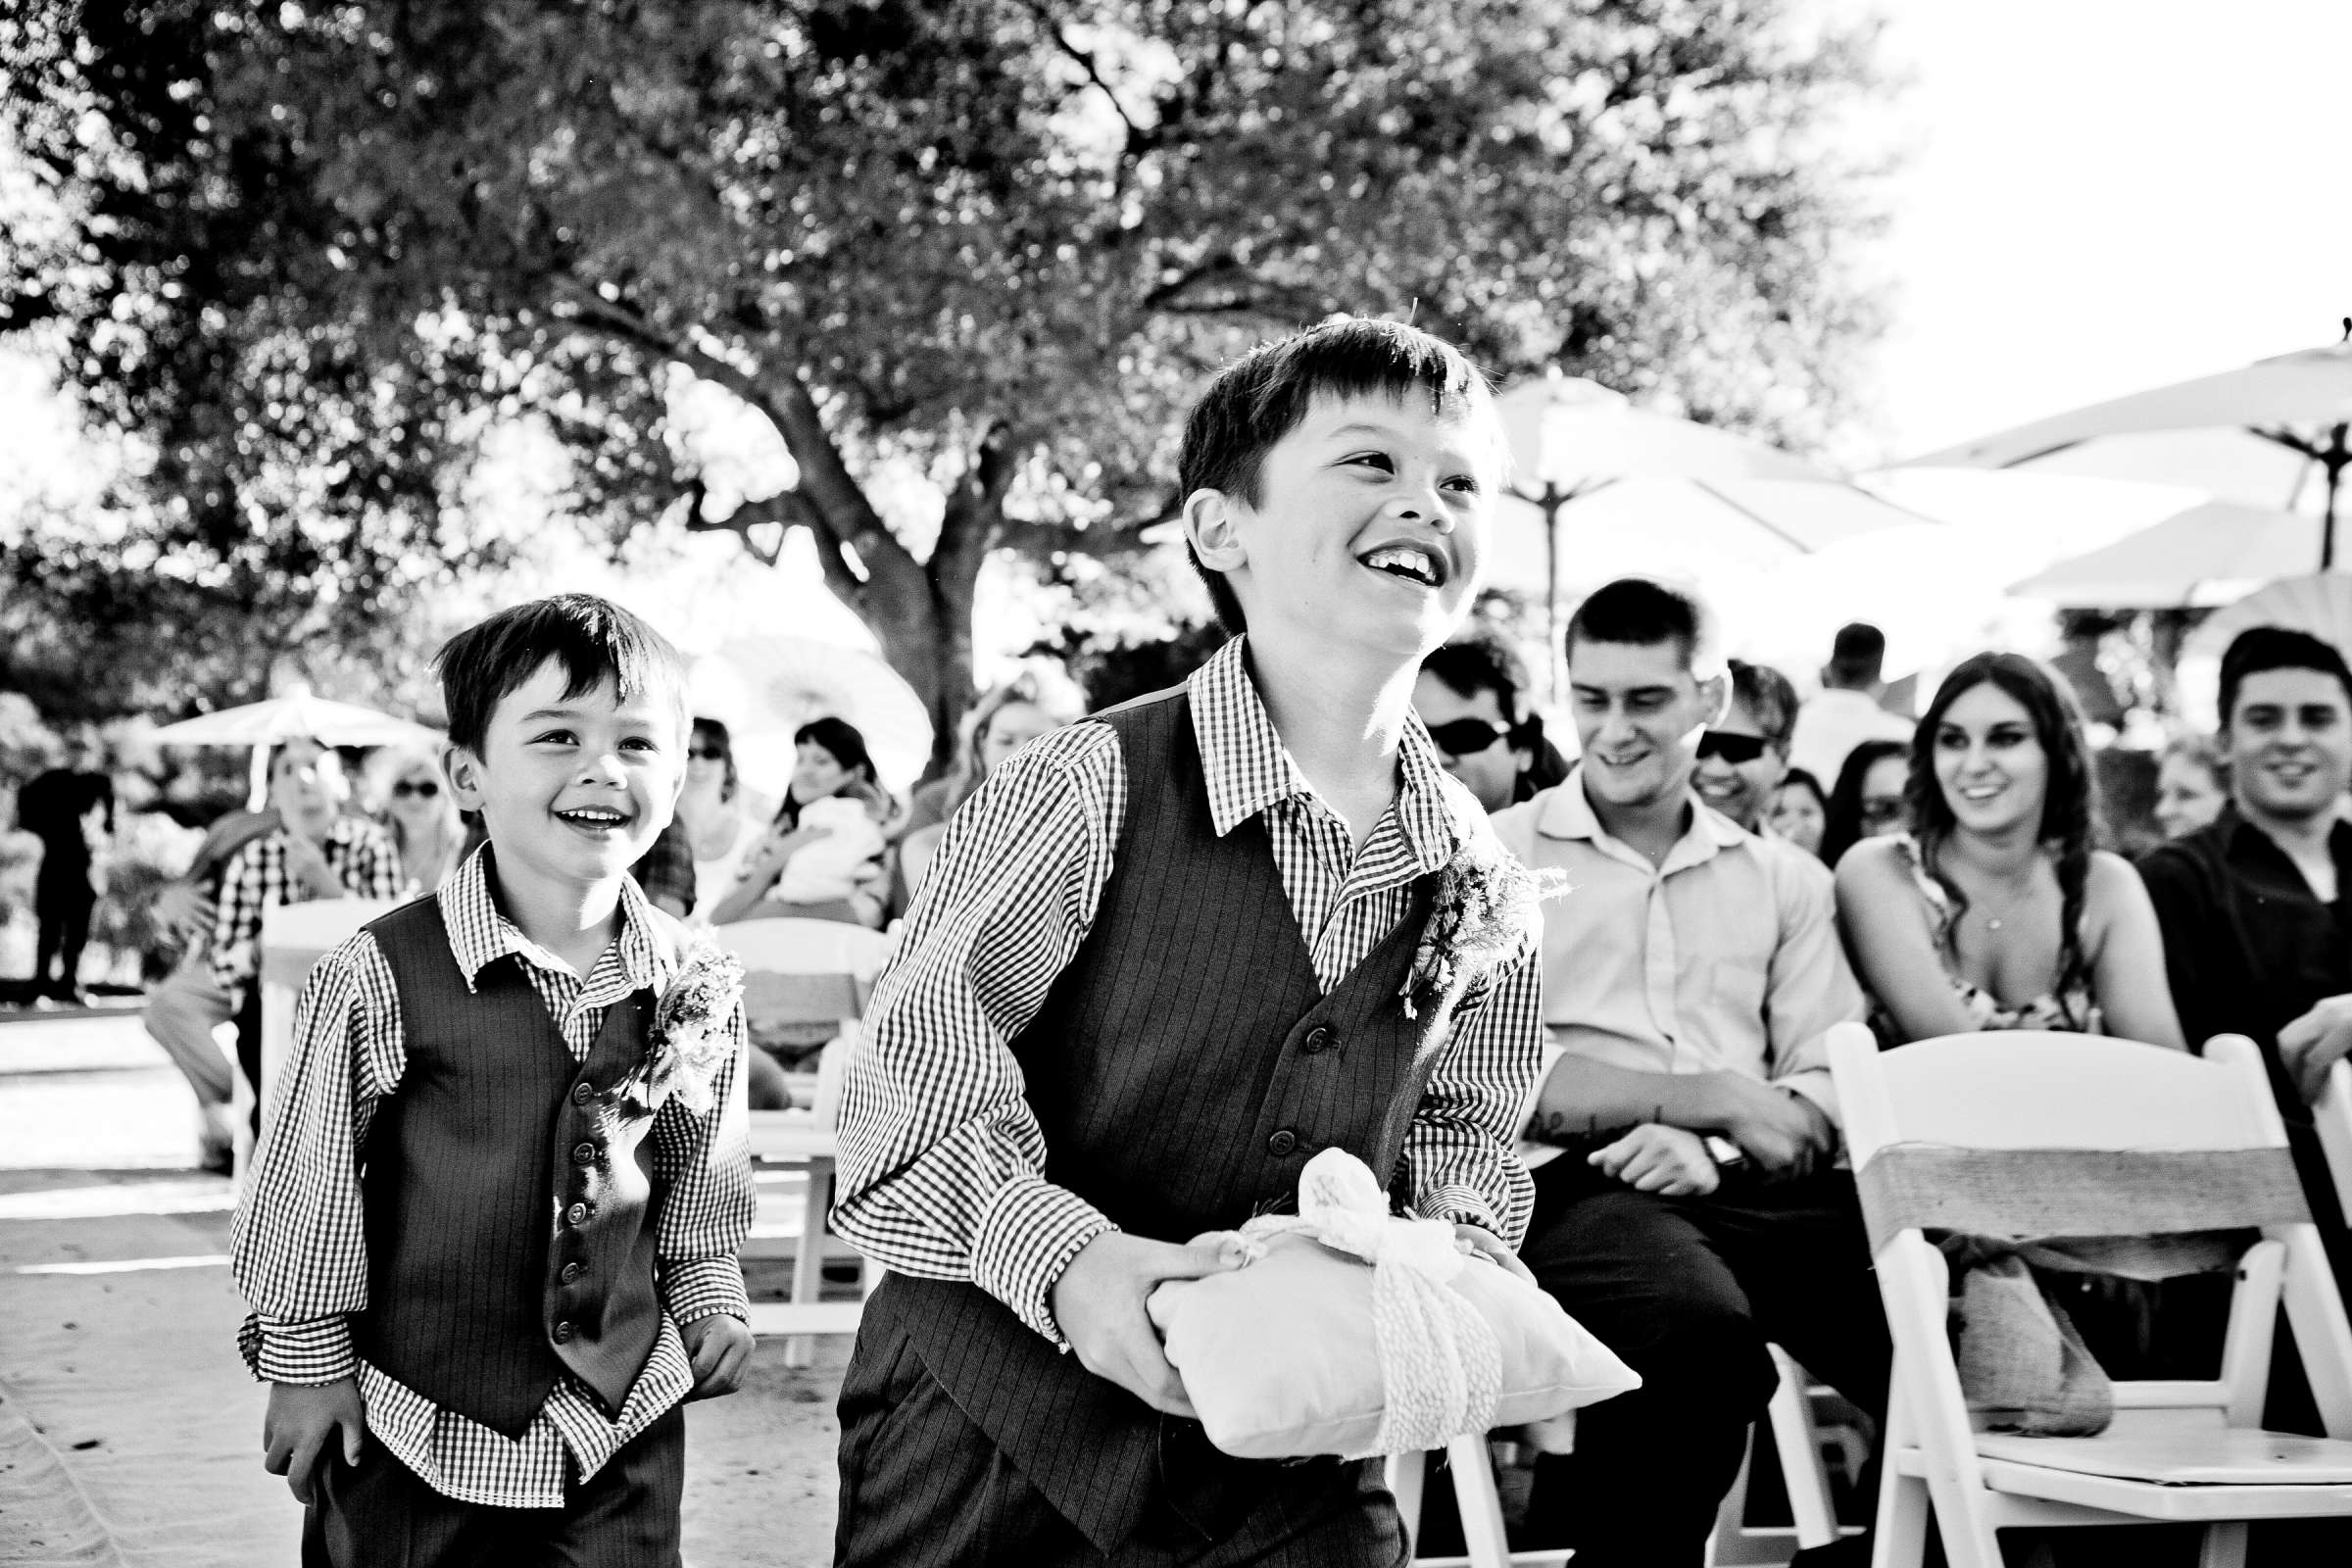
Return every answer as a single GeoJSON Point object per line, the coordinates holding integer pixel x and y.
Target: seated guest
{"type": "Point", "coordinates": [720, 816]}
{"type": "Point", "coordinates": [421, 813]}
{"type": "Point", "coordinates": [1000, 724]}
{"type": "Point", "coordinates": [2257, 935]}
{"type": "Point", "coordinates": [1800, 810]}
{"type": "Point", "coordinates": [316, 852]}
{"type": "Point", "coordinates": [1471, 695]}
{"type": "Point", "coordinates": [1995, 912]}
{"type": "Point", "coordinates": [1848, 710]}
{"type": "Point", "coordinates": [822, 856]}
{"type": "Point", "coordinates": [1687, 1207]}
{"type": "Point", "coordinates": [1743, 758]}
{"type": "Point", "coordinates": [2192, 784]}
{"type": "Point", "coordinates": [1867, 800]}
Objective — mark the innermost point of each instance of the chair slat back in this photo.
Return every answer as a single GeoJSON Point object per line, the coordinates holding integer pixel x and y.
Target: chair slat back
{"type": "Point", "coordinates": [787, 945]}
{"type": "Point", "coordinates": [771, 998]}
{"type": "Point", "coordinates": [2037, 1090]}
{"type": "Point", "coordinates": [2333, 1116]}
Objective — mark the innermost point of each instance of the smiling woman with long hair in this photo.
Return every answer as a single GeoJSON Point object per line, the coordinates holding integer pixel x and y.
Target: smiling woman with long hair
{"type": "Point", "coordinates": [1995, 911]}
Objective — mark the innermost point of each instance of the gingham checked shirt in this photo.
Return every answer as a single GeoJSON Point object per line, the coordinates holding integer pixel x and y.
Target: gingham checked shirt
{"type": "Point", "coordinates": [300, 1249]}
{"type": "Point", "coordinates": [941, 1161]}
{"type": "Point", "coordinates": [359, 852]}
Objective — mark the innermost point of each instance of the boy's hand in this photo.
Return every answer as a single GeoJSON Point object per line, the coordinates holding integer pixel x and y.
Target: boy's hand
{"type": "Point", "coordinates": [1099, 1304]}
{"type": "Point", "coordinates": [1671, 1161]}
{"type": "Point", "coordinates": [302, 1423]}
{"type": "Point", "coordinates": [1489, 1245]}
{"type": "Point", "coordinates": [720, 1347]}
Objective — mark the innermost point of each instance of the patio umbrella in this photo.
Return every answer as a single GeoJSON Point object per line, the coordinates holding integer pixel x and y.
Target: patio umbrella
{"type": "Point", "coordinates": [1646, 486]}
{"type": "Point", "coordinates": [2319, 603]}
{"type": "Point", "coordinates": [764, 688]}
{"type": "Point", "coordinates": [2208, 554]}
{"type": "Point", "coordinates": [296, 715]}
{"type": "Point", "coordinates": [2269, 434]}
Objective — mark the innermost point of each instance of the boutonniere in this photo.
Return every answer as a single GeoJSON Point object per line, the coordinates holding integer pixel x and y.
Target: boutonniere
{"type": "Point", "coordinates": [690, 1040]}
{"type": "Point", "coordinates": [1487, 908]}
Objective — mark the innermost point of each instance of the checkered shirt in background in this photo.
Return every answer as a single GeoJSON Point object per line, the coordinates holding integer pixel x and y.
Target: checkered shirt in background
{"type": "Point", "coordinates": [359, 852]}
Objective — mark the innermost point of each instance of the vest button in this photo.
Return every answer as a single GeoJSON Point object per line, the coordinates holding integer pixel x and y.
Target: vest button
{"type": "Point", "coordinates": [582, 1092]}
{"type": "Point", "coordinates": [1319, 1038]}
{"type": "Point", "coordinates": [572, 1272]}
{"type": "Point", "coordinates": [575, 1214]}
{"type": "Point", "coordinates": [583, 1153]}
{"type": "Point", "coordinates": [1283, 1144]}
{"type": "Point", "coordinates": [562, 1334]}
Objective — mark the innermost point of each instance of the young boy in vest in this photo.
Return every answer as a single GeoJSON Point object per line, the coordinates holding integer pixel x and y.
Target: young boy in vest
{"type": "Point", "coordinates": [1156, 964]}
{"type": "Point", "coordinates": [490, 1240]}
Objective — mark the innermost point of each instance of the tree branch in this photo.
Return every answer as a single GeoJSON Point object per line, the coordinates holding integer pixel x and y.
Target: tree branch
{"type": "Point", "coordinates": [1138, 140]}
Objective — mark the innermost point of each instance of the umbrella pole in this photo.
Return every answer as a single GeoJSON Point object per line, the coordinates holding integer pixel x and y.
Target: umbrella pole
{"type": "Point", "coordinates": [2331, 463]}
{"type": "Point", "coordinates": [1554, 656]}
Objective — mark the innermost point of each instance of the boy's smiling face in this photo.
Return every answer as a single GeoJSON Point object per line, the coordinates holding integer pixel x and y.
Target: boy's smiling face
{"type": "Point", "coordinates": [1370, 527]}
{"type": "Point", "coordinates": [573, 789]}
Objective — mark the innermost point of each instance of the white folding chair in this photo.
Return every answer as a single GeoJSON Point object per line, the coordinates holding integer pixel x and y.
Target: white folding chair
{"type": "Point", "coordinates": [2333, 1117]}
{"type": "Point", "coordinates": [294, 938]}
{"type": "Point", "coordinates": [1475, 1494]}
{"type": "Point", "coordinates": [2181, 1451]}
{"type": "Point", "coordinates": [806, 971]}
{"type": "Point", "coordinates": [1798, 1439]}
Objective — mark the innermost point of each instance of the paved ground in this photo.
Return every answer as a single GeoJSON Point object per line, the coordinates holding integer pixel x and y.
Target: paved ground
{"type": "Point", "coordinates": [129, 1434]}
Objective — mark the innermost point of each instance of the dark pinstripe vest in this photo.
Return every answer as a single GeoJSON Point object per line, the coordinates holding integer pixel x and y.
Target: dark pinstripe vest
{"type": "Point", "coordinates": [1182, 1068]}
{"type": "Point", "coordinates": [510, 1209]}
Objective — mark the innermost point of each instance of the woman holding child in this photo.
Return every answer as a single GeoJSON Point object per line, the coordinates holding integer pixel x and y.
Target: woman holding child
{"type": "Point", "coordinates": [813, 861]}
{"type": "Point", "coordinates": [1994, 911]}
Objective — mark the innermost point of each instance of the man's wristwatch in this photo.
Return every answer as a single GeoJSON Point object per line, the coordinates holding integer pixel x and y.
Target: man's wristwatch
{"type": "Point", "coordinates": [1727, 1155]}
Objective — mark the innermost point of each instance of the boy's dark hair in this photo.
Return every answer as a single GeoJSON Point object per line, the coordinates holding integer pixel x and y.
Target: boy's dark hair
{"type": "Point", "coordinates": [591, 638]}
{"type": "Point", "coordinates": [1261, 398]}
{"type": "Point", "coordinates": [1643, 613]}
{"type": "Point", "coordinates": [2261, 648]}
{"type": "Point", "coordinates": [1769, 698]}
{"type": "Point", "coordinates": [1480, 662]}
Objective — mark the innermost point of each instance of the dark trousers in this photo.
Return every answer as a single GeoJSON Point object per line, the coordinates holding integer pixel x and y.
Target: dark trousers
{"type": "Point", "coordinates": [249, 1050]}
{"type": "Point", "coordinates": [1687, 1291]}
{"type": "Point", "coordinates": [62, 906]}
{"type": "Point", "coordinates": [922, 1487]}
{"type": "Point", "coordinates": [379, 1515]}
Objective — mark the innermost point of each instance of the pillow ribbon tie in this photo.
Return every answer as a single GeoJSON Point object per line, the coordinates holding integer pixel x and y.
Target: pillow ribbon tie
{"type": "Point", "coordinates": [1440, 1368]}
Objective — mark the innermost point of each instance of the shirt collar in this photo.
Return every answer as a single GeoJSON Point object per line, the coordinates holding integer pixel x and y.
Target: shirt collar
{"type": "Point", "coordinates": [1250, 769]}
{"type": "Point", "coordinates": [2237, 834]}
{"type": "Point", "coordinates": [479, 932]}
{"type": "Point", "coordinates": [1567, 815]}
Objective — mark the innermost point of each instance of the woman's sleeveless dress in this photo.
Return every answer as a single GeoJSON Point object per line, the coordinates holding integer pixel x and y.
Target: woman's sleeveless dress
{"type": "Point", "coordinates": [2069, 1008]}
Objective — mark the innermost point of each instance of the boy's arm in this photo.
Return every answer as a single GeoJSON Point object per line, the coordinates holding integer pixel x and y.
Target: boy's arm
{"type": "Point", "coordinates": [298, 1245]}
{"type": "Point", "coordinates": [704, 1162]}
{"type": "Point", "coordinates": [1460, 1147]}
{"type": "Point", "coordinates": [940, 1161]}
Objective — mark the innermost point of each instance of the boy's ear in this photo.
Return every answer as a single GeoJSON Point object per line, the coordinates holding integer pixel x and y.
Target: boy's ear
{"type": "Point", "coordinates": [1209, 524]}
{"type": "Point", "coordinates": [463, 771]}
{"type": "Point", "coordinates": [1715, 698]}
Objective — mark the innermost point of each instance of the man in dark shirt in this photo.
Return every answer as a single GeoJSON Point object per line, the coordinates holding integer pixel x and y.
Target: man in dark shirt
{"type": "Point", "coordinates": [2257, 939]}
{"type": "Point", "coordinates": [61, 807]}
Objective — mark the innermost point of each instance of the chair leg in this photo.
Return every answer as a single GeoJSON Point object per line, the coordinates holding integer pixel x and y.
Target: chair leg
{"type": "Point", "coordinates": [2224, 1545]}
{"type": "Point", "coordinates": [1900, 1539]}
{"type": "Point", "coordinates": [1406, 1474]}
{"type": "Point", "coordinates": [1799, 1442]}
{"type": "Point", "coordinates": [808, 1262]}
{"type": "Point", "coordinates": [1480, 1503]}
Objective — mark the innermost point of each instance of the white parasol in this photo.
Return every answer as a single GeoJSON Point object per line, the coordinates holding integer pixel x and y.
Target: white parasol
{"type": "Point", "coordinates": [764, 688]}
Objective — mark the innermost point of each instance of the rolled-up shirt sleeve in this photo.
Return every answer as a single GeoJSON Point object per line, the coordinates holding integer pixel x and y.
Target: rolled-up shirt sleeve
{"type": "Point", "coordinates": [1460, 1148]}
{"type": "Point", "coordinates": [941, 1163]}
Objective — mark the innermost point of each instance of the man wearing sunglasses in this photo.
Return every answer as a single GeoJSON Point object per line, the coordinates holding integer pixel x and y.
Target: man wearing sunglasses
{"type": "Point", "coordinates": [1683, 1134]}
{"type": "Point", "coordinates": [1745, 755]}
{"type": "Point", "coordinates": [1469, 696]}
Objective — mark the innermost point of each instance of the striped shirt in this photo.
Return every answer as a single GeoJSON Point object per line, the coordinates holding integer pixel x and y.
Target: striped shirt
{"type": "Point", "coordinates": [299, 1246]}
{"type": "Point", "coordinates": [941, 1162]}
{"type": "Point", "coordinates": [257, 877]}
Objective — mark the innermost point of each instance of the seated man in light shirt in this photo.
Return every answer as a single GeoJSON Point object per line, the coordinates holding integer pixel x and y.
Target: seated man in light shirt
{"type": "Point", "coordinates": [1685, 1132]}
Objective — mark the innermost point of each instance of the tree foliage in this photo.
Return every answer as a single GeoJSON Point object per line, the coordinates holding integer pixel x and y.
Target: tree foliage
{"type": "Point", "coordinates": [313, 251]}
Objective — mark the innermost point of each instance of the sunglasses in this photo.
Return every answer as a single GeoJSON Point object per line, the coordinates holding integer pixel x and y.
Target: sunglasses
{"type": "Point", "coordinates": [1732, 749]}
{"type": "Point", "coordinates": [424, 790]}
{"type": "Point", "coordinates": [1467, 737]}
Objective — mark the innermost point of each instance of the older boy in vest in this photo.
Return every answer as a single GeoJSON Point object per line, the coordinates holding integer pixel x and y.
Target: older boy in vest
{"type": "Point", "coordinates": [1156, 966]}
{"type": "Point", "coordinates": [491, 1238]}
